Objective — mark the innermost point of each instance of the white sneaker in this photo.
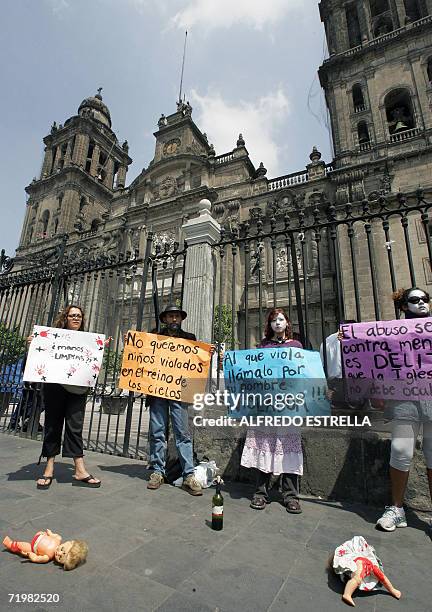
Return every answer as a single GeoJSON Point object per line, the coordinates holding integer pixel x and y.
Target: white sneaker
{"type": "Point", "coordinates": [393, 517]}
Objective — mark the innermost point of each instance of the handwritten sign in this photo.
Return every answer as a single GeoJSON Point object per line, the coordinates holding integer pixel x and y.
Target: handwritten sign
{"type": "Point", "coordinates": [65, 357]}
{"type": "Point", "coordinates": [164, 366]}
{"type": "Point", "coordinates": [275, 381]}
{"type": "Point", "coordinates": [389, 359]}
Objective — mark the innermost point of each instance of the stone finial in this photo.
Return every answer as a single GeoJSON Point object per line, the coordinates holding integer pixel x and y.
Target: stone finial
{"type": "Point", "coordinates": [315, 156]}
{"type": "Point", "coordinates": [54, 128]}
{"type": "Point", "coordinates": [125, 146]}
{"type": "Point", "coordinates": [241, 141]}
{"type": "Point", "coordinates": [204, 206]}
{"type": "Point", "coordinates": [261, 171]}
{"type": "Point", "coordinates": [99, 95]}
{"type": "Point", "coordinates": [205, 137]}
{"type": "Point", "coordinates": [212, 151]}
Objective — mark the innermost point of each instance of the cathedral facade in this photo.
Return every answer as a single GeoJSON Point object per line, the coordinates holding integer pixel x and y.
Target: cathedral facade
{"type": "Point", "coordinates": [377, 82]}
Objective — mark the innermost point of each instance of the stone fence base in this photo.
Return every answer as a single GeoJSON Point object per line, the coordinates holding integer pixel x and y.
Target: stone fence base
{"type": "Point", "coordinates": [339, 464]}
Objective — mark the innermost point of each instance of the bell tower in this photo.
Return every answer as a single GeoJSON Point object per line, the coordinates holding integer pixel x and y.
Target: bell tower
{"type": "Point", "coordinates": [83, 166]}
{"type": "Point", "coordinates": [378, 79]}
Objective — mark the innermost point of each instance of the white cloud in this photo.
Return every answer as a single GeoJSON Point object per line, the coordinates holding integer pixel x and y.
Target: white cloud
{"type": "Point", "coordinates": [257, 120]}
{"type": "Point", "coordinates": [58, 7]}
{"type": "Point", "coordinates": [211, 14]}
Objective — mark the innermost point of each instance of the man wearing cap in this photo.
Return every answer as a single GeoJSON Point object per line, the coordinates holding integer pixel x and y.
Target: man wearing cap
{"type": "Point", "coordinates": [160, 409]}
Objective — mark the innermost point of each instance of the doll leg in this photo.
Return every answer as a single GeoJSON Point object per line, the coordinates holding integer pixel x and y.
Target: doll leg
{"type": "Point", "coordinates": [16, 547]}
{"type": "Point", "coordinates": [390, 588]}
{"type": "Point", "coordinates": [352, 585]}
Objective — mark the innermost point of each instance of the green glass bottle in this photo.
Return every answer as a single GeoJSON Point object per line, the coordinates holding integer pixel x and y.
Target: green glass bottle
{"type": "Point", "coordinates": [217, 508]}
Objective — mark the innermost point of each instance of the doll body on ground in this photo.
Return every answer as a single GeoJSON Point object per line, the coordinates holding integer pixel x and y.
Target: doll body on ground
{"type": "Point", "coordinates": [356, 561]}
{"type": "Point", "coordinates": [46, 546]}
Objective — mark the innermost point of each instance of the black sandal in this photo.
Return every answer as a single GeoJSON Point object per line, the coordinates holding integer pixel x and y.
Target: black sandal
{"type": "Point", "coordinates": [47, 483]}
{"type": "Point", "coordinates": [258, 502]}
{"type": "Point", "coordinates": [85, 482]}
{"type": "Point", "coordinates": [292, 506]}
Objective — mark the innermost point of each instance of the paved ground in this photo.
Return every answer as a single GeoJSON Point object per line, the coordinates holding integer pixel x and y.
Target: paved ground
{"type": "Point", "coordinates": [154, 550]}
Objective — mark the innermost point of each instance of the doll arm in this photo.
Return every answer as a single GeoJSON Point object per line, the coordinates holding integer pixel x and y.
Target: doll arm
{"type": "Point", "coordinates": [54, 535]}
{"type": "Point", "coordinates": [34, 558]}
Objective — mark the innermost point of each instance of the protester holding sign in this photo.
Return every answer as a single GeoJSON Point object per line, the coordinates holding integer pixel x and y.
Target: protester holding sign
{"type": "Point", "coordinates": [161, 408]}
{"type": "Point", "coordinates": [407, 416]}
{"type": "Point", "coordinates": [65, 404]}
{"type": "Point", "coordinates": [275, 450]}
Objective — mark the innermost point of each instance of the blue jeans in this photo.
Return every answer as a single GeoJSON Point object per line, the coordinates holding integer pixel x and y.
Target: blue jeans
{"type": "Point", "coordinates": [159, 410]}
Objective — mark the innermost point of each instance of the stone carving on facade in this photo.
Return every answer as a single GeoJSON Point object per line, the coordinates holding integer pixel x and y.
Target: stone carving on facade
{"type": "Point", "coordinates": [282, 260]}
{"type": "Point", "coordinates": [125, 146]}
{"type": "Point", "coordinates": [385, 182]}
{"type": "Point", "coordinates": [166, 188]}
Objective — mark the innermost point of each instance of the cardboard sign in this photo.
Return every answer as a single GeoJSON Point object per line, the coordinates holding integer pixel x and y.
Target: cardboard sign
{"type": "Point", "coordinates": [64, 356]}
{"type": "Point", "coordinates": [164, 366]}
{"type": "Point", "coordinates": [275, 381]}
{"type": "Point", "coordinates": [389, 359]}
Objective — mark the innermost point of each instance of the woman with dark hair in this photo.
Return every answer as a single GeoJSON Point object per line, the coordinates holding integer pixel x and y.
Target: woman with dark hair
{"type": "Point", "coordinates": [65, 404]}
{"type": "Point", "coordinates": [406, 418]}
{"type": "Point", "coordinates": [275, 451]}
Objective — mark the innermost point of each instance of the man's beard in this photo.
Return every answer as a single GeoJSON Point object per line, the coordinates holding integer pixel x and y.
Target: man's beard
{"type": "Point", "coordinates": [173, 328]}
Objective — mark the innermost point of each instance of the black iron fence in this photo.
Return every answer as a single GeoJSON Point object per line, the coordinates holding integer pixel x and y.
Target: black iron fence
{"type": "Point", "coordinates": [323, 263]}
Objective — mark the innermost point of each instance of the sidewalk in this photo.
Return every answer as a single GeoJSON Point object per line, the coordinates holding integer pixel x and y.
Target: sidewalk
{"type": "Point", "coordinates": [154, 550]}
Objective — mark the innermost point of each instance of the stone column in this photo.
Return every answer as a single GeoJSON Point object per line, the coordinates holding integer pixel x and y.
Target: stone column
{"type": "Point", "coordinates": [200, 233]}
{"type": "Point", "coordinates": [341, 30]}
{"type": "Point", "coordinates": [121, 176]}
{"type": "Point", "coordinates": [400, 10]}
{"type": "Point", "coordinates": [364, 22]}
{"type": "Point", "coordinates": [109, 169]}
{"type": "Point", "coordinates": [95, 160]}
{"type": "Point", "coordinates": [57, 159]}
{"type": "Point", "coordinates": [46, 168]}
{"type": "Point", "coordinates": [80, 149]}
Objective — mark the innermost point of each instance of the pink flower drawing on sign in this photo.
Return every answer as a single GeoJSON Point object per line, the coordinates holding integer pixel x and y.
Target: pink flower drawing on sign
{"type": "Point", "coordinates": [40, 371]}
{"type": "Point", "coordinates": [100, 343]}
{"type": "Point", "coordinates": [71, 371]}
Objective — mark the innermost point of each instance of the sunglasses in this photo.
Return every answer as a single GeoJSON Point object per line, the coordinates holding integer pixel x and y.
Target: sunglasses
{"type": "Point", "coordinates": [75, 316]}
{"type": "Point", "coordinates": [415, 300]}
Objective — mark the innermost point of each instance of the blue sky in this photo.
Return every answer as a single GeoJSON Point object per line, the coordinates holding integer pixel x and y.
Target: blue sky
{"type": "Point", "coordinates": [250, 67]}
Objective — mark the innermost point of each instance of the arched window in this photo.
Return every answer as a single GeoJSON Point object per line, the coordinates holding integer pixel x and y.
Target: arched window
{"type": "Point", "coordinates": [82, 203]}
{"type": "Point", "coordinates": [382, 21]}
{"type": "Point", "coordinates": [378, 7]}
{"type": "Point", "coordinates": [429, 69]}
{"type": "Point", "coordinates": [363, 133]}
{"type": "Point", "coordinates": [353, 25]}
{"type": "Point", "coordinates": [89, 155]}
{"type": "Point", "coordinates": [56, 222]}
{"type": "Point", "coordinates": [45, 220]}
{"type": "Point", "coordinates": [413, 10]}
{"type": "Point", "coordinates": [358, 100]}
{"type": "Point", "coordinates": [399, 111]}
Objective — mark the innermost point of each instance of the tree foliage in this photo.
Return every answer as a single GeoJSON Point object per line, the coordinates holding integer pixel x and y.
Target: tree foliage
{"type": "Point", "coordinates": [12, 345]}
{"type": "Point", "coordinates": [222, 315]}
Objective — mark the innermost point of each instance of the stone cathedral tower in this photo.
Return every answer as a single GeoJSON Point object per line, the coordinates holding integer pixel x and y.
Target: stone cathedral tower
{"type": "Point", "coordinates": [83, 166]}
{"type": "Point", "coordinates": [378, 87]}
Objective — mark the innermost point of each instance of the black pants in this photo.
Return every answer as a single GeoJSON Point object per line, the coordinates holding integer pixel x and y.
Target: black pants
{"type": "Point", "coordinates": [63, 407]}
{"type": "Point", "coordinates": [289, 485]}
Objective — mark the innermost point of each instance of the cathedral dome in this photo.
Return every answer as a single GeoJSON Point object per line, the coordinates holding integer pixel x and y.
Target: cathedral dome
{"type": "Point", "coordinates": [94, 107]}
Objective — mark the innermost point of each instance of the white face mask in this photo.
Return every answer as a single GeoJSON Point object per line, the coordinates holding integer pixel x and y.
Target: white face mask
{"type": "Point", "coordinates": [421, 309]}
{"type": "Point", "coordinates": [279, 324]}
